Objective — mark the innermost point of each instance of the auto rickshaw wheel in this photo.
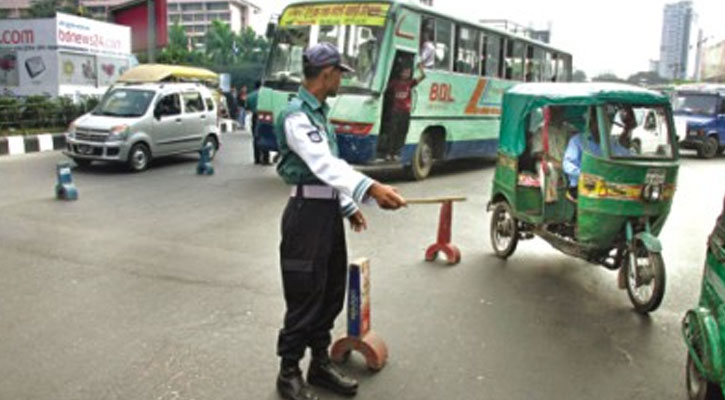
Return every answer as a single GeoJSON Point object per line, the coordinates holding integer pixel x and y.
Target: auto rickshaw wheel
{"type": "Point", "coordinates": [504, 230]}
{"type": "Point", "coordinates": [708, 148]}
{"type": "Point", "coordinates": [646, 279]}
{"type": "Point", "coordinates": [698, 387]}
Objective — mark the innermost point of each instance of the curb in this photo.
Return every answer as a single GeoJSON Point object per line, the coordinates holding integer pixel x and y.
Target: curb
{"type": "Point", "coordinates": [22, 144]}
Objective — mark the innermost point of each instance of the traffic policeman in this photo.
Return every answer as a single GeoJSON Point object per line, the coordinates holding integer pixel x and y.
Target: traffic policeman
{"type": "Point", "coordinates": [323, 190]}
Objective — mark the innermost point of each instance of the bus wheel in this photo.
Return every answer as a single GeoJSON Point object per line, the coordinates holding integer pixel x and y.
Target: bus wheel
{"type": "Point", "coordinates": [423, 158]}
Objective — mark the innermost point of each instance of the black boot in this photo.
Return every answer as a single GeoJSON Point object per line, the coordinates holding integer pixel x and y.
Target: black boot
{"type": "Point", "coordinates": [324, 374]}
{"type": "Point", "coordinates": [291, 386]}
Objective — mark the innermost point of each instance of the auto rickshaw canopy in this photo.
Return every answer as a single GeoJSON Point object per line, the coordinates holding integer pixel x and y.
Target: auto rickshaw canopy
{"type": "Point", "coordinates": [146, 73]}
{"type": "Point", "coordinates": [522, 99]}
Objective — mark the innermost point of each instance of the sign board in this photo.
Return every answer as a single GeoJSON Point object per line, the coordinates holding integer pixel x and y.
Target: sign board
{"type": "Point", "coordinates": [65, 54]}
{"type": "Point", "coordinates": [372, 14]}
{"type": "Point", "coordinates": [135, 15]}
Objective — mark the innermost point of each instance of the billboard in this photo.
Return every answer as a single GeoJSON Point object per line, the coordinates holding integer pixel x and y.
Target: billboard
{"type": "Point", "coordinates": [713, 63]}
{"type": "Point", "coordinates": [65, 54]}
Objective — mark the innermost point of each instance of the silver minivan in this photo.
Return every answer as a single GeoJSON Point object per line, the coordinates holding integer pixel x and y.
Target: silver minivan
{"type": "Point", "coordinates": [135, 123]}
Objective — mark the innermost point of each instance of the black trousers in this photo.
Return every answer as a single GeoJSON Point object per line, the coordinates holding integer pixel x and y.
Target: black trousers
{"type": "Point", "coordinates": [395, 129]}
{"type": "Point", "coordinates": [260, 156]}
{"type": "Point", "coordinates": [313, 257]}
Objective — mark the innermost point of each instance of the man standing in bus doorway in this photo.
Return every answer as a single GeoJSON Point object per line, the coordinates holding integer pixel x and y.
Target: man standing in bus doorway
{"type": "Point", "coordinates": [313, 253]}
{"type": "Point", "coordinates": [397, 120]}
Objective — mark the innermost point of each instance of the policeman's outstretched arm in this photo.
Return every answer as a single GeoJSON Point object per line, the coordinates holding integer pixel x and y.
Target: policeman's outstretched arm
{"type": "Point", "coordinates": [386, 196]}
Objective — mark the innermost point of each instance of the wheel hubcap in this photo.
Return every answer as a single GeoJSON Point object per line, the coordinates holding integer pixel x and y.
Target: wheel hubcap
{"type": "Point", "coordinates": [641, 279]}
{"type": "Point", "coordinates": [426, 156]}
{"type": "Point", "coordinates": [139, 159]}
{"type": "Point", "coordinates": [502, 233]}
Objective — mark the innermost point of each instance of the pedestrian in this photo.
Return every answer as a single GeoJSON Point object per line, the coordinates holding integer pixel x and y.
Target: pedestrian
{"type": "Point", "coordinates": [260, 156]}
{"type": "Point", "coordinates": [242, 104]}
{"type": "Point", "coordinates": [397, 119]}
{"type": "Point", "coordinates": [231, 98]}
{"type": "Point", "coordinates": [313, 254]}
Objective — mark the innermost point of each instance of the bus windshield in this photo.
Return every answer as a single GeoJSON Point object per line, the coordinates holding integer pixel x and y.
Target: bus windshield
{"type": "Point", "coordinates": [358, 44]}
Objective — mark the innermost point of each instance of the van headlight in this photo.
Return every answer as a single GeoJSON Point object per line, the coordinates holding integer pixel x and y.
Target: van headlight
{"type": "Point", "coordinates": [118, 133]}
{"type": "Point", "coordinates": [71, 134]}
{"type": "Point", "coordinates": [652, 192]}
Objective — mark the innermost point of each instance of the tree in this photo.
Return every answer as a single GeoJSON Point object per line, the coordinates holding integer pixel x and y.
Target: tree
{"type": "Point", "coordinates": [220, 42]}
{"type": "Point", "coordinates": [177, 50]}
{"type": "Point", "coordinates": [579, 76]}
{"type": "Point", "coordinates": [48, 8]}
{"type": "Point", "coordinates": [647, 78]}
{"type": "Point", "coordinates": [607, 77]}
{"type": "Point", "coordinates": [250, 47]}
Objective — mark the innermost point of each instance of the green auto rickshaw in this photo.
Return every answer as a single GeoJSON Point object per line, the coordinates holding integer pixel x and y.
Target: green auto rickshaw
{"type": "Point", "coordinates": [591, 169]}
{"type": "Point", "coordinates": [703, 326]}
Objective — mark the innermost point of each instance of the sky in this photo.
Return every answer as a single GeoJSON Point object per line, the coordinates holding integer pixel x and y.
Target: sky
{"type": "Point", "coordinates": [612, 36]}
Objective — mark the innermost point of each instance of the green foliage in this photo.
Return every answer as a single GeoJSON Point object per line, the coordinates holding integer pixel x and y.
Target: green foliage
{"type": "Point", "coordinates": [646, 78]}
{"type": "Point", "coordinates": [607, 77]}
{"type": "Point", "coordinates": [48, 8]}
{"type": "Point", "coordinates": [41, 113]}
{"type": "Point", "coordinates": [220, 43]}
{"type": "Point", "coordinates": [579, 76]}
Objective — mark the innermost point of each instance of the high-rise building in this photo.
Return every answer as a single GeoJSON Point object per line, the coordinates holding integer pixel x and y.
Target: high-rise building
{"type": "Point", "coordinates": [675, 43]}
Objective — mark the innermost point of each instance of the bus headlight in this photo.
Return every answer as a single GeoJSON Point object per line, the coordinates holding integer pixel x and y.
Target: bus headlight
{"type": "Point", "coordinates": [652, 192]}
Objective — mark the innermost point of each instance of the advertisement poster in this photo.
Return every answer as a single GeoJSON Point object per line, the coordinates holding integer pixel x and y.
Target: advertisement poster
{"type": "Point", "coordinates": [78, 69]}
{"type": "Point", "coordinates": [9, 75]}
{"type": "Point", "coordinates": [109, 69]}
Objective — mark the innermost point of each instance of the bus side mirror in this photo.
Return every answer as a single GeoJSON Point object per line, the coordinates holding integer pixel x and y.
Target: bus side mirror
{"type": "Point", "coordinates": [271, 29]}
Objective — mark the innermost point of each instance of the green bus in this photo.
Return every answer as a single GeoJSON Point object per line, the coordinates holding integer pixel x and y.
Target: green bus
{"type": "Point", "coordinates": [455, 111]}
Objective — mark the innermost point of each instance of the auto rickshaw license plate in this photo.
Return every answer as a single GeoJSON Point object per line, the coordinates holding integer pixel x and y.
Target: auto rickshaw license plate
{"type": "Point", "coordinates": [655, 177]}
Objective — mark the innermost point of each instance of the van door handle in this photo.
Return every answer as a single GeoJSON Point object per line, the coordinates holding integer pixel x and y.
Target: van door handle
{"type": "Point", "coordinates": [203, 117]}
{"type": "Point", "coordinates": [178, 119]}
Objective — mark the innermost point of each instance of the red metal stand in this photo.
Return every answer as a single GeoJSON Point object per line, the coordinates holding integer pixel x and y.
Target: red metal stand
{"type": "Point", "coordinates": [359, 335]}
{"type": "Point", "coordinates": [444, 237]}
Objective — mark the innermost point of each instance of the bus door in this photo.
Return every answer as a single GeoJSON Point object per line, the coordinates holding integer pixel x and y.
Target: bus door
{"type": "Point", "coordinates": [395, 119]}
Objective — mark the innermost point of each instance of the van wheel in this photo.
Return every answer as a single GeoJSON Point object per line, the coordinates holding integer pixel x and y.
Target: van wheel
{"type": "Point", "coordinates": [423, 158]}
{"type": "Point", "coordinates": [708, 148]}
{"type": "Point", "coordinates": [138, 157]}
{"type": "Point", "coordinates": [214, 146]}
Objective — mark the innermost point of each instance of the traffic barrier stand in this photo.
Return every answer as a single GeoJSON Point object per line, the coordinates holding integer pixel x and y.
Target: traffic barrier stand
{"type": "Point", "coordinates": [64, 188]}
{"type": "Point", "coordinates": [205, 167]}
{"type": "Point", "coordinates": [445, 221]}
{"type": "Point", "coordinates": [360, 337]}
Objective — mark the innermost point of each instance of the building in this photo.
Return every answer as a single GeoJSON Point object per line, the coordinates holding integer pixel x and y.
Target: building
{"type": "Point", "coordinates": [62, 56]}
{"type": "Point", "coordinates": [196, 15]}
{"type": "Point", "coordinates": [428, 3]}
{"type": "Point", "coordinates": [675, 42]}
{"type": "Point", "coordinates": [713, 63]}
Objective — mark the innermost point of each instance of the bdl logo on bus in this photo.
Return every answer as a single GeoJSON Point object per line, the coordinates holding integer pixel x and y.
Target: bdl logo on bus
{"type": "Point", "coordinates": [441, 92]}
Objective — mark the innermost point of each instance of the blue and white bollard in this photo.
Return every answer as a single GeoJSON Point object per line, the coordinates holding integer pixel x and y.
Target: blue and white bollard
{"type": "Point", "coordinates": [65, 189]}
{"type": "Point", "coordinates": [205, 167]}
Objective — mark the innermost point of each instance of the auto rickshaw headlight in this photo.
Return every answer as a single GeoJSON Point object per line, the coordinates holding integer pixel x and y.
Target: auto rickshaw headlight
{"type": "Point", "coordinates": [652, 192]}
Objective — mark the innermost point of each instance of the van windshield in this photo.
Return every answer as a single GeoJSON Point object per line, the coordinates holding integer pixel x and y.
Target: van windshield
{"type": "Point", "coordinates": [702, 104]}
{"type": "Point", "coordinates": [126, 103]}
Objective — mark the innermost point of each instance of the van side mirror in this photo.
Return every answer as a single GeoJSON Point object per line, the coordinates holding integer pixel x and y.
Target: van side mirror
{"type": "Point", "coordinates": [271, 29]}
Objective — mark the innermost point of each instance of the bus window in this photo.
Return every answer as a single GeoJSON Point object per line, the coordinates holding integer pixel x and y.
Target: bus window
{"type": "Point", "coordinates": [491, 54]}
{"type": "Point", "coordinates": [534, 64]}
{"type": "Point", "coordinates": [443, 39]}
{"type": "Point", "coordinates": [549, 68]}
{"type": "Point", "coordinates": [286, 56]}
{"type": "Point", "coordinates": [563, 71]}
{"type": "Point", "coordinates": [515, 60]}
{"type": "Point", "coordinates": [427, 42]}
{"type": "Point", "coordinates": [467, 49]}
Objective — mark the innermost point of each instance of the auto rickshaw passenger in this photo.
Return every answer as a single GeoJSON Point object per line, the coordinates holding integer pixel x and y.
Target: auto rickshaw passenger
{"type": "Point", "coordinates": [573, 155]}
